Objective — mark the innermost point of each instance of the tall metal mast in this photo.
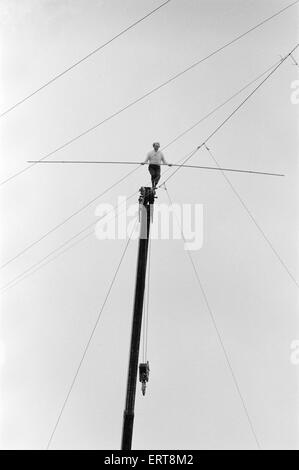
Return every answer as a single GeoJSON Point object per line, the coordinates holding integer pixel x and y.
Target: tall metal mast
{"type": "Point", "coordinates": [146, 202]}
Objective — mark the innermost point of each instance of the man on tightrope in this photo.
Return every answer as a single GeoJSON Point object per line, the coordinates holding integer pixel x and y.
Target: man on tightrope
{"type": "Point", "coordinates": [155, 159]}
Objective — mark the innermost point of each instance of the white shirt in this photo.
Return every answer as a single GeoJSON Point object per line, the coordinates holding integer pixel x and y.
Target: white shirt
{"type": "Point", "coordinates": [155, 158]}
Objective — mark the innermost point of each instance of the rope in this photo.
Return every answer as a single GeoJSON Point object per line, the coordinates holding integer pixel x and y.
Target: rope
{"type": "Point", "coordinates": [119, 181]}
{"type": "Point", "coordinates": [83, 59]}
{"type": "Point", "coordinates": [212, 316]}
{"type": "Point", "coordinates": [210, 113]}
{"type": "Point", "coordinates": [56, 227]}
{"type": "Point", "coordinates": [38, 263]}
{"type": "Point", "coordinates": [251, 216]}
{"type": "Point", "coordinates": [171, 79]}
{"type": "Point", "coordinates": [232, 113]}
{"type": "Point", "coordinates": [189, 156]}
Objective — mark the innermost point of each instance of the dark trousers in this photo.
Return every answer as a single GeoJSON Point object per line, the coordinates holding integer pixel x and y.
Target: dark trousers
{"type": "Point", "coordinates": [155, 171]}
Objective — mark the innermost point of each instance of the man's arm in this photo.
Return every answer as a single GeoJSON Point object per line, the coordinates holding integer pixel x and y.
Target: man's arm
{"type": "Point", "coordinates": [163, 160]}
{"type": "Point", "coordinates": [146, 160]}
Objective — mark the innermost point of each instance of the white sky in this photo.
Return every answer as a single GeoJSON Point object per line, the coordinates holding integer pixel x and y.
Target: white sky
{"type": "Point", "coordinates": [191, 401]}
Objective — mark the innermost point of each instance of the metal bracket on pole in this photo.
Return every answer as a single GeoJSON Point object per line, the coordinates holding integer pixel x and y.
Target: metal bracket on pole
{"type": "Point", "coordinates": [144, 375]}
{"type": "Point", "coordinates": [294, 60]}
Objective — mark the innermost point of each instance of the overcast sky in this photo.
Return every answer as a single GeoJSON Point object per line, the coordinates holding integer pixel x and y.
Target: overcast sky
{"type": "Point", "coordinates": [47, 318]}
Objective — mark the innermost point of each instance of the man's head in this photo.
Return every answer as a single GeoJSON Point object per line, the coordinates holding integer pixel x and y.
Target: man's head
{"type": "Point", "coordinates": [156, 146]}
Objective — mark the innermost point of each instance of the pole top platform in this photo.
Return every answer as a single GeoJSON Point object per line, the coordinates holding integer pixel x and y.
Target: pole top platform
{"type": "Point", "coordinates": [147, 195]}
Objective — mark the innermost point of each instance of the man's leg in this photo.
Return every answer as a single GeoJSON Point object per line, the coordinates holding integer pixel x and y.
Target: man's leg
{"type": "Point", "coordinates": [157, 175]}
{"type": "Point", "coordinates": [152, 173]}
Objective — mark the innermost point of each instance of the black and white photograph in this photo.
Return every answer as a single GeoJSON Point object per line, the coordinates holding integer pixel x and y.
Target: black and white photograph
{"type": "Point", "coordinates": [149, 214]}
